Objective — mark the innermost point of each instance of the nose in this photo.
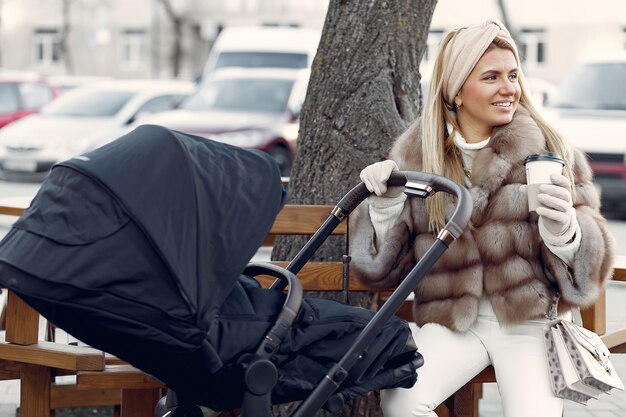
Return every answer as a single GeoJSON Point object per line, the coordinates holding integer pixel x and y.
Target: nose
{"type": "Point", "coordinates": [507, 88]}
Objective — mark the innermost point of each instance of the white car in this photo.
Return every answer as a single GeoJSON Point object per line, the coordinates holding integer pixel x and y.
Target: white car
{"type": "Point", "coordinates": [589, 109]}
{"type": "Point", "coordinates": [263, 47]}
{"type": "Point", "coordinates": [81, 120]}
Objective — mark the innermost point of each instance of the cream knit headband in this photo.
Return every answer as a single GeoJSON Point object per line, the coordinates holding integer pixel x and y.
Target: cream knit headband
{"type": "Point", "coordinates": [464, 51]}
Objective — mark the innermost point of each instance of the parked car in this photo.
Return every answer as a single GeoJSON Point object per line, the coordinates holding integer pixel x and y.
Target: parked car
{"type": "Point", "coordinates": [65, 83]}
{"type": "Point", "coordinates": [542, 90]}
{"type": "Point", "coordinates": [22, 94]}
{"type": "Point", "coordinates": [252, 108]}
{"type": "Point", "coordinates": [81, 120]}
{"type": "Point", "coordinates": [589, 109]}
{"type": "Point", "coordinates": [263, 47]}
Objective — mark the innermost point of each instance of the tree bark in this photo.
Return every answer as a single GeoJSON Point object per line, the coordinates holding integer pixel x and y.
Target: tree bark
{"type": "Point", "coordinates": [64, 48]}
{"type": "Point", "coordinates": [363, 92]}
{"type": "Point", "coordinates": [176, 54]}
{"type": "Point", "coordinates": [507, 22]}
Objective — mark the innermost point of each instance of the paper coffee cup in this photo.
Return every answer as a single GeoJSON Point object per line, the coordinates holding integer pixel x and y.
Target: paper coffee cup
{"type": "Point", "coordinates": [538, 171]}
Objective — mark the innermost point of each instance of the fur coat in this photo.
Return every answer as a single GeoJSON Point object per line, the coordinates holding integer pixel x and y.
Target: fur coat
{"type": "Point", "coordinates": [501, 254]}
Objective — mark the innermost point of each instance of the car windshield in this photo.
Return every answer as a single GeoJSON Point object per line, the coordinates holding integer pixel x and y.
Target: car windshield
{"type": "Point", "coordinates": [89, 103]}
{"type": "Point", "coordinates": [253, 94]}
{"type": "Point", "coordinates": [600, 86]}
{"type": "Point", "coordinates": [262, 60]}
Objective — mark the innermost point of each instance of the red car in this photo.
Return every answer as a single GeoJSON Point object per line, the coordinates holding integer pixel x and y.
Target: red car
{"type": "Point", "coordinates": [247, 107]}
{"type": "Point", "coordinates": [23, 94]}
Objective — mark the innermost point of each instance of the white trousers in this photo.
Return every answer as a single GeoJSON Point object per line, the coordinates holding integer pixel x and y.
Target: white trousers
{"type": "Point", "coordinates": [451, 359]}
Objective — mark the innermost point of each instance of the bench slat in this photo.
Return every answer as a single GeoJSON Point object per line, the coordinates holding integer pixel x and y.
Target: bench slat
{"type": "Point", "coordinates": [318, 276]}
{"type": "Point", "coordinates": [11, 211]}
{"type": "Point", "coordinates": [117, 376]}
{"type": "Point", "coordinates": [54, 355]}
{"type": "Point", "coordinates": [303, 220]}
{"type": "Point", "coordinates": [68, 396]}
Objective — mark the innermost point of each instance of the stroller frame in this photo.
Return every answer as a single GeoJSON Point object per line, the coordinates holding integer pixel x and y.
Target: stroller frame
{"type": "Point", "coordinates": [260, 371]}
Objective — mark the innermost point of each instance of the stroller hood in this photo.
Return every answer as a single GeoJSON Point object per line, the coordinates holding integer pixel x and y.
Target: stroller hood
{"type": "Point", "coordinates": [204, 200]}
{"type": "Point", "coordinates": [205, 208]}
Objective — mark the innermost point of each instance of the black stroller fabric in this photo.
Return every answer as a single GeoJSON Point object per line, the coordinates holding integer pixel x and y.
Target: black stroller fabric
{"type": "Point", "coordinates": [137, 248]}
{"type": "Point", "coordinates": [320, 335]}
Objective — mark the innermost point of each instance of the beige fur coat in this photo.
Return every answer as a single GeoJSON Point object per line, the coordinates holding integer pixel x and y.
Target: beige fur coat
{"type": "Point", "coordinates": [501, 254]}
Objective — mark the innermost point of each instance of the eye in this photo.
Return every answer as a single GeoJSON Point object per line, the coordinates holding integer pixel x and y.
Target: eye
{"type": "Point", "coordinates": [490, 77]}
{"type": "Point", "coordinates": [513, 76]}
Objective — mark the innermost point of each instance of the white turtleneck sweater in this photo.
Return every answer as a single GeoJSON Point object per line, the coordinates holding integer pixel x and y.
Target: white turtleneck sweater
{"type": "Point", "coordinates": [384, 211]}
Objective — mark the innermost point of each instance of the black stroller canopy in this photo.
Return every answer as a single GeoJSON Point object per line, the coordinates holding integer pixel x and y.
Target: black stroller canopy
{"type": "Point", "coordinates": [195, 201]}
{"type": "Point", "coordinates": [152, 231]}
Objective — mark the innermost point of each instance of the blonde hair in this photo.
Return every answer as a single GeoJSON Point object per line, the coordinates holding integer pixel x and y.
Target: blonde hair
{"type": "Point", "coordinates": [439, 153]}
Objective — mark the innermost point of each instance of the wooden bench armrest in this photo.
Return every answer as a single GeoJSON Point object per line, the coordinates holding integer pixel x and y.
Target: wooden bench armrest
{"type": "Point", "coordinates": [54, 355]}
{"type": "Point", "coordinates": [616, 341]}
{"type": "Point", "coordinates": [116, 376]}
{"type": "Point", "coordinates": [619, 271]}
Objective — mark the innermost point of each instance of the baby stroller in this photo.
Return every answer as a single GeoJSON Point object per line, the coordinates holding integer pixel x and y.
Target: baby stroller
{"type": "Point", "coordinates": [152, 268]}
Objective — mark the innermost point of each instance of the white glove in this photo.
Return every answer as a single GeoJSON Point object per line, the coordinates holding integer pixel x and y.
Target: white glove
{"type": "Point", "coordinates": [375, 178]}
{"type": "Point", "coordinates": [557, 211]}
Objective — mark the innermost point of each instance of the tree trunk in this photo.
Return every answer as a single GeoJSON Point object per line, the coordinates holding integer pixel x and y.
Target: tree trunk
{"type": "Point", "coordinates": [64, 48]}
{"type": "Point", "coordinates": [363, 93]}
{"type": "Point", "coordinates": [507, 22]}
{"type": "Point", "coordinates": [176, 53]}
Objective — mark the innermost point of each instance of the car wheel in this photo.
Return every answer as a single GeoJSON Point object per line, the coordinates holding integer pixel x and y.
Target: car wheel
{"type": "Point", "coordinates": [282, 156]}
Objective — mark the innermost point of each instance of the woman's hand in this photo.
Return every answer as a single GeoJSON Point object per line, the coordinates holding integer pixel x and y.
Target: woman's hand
{"type": "Point", "coordinates": [375, 178]}
{"type": "Point", "coordinates": [557, 211]}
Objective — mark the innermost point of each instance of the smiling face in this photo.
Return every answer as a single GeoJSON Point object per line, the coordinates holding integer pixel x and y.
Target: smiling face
{"type": "Point", "coordinates": [489, 96]}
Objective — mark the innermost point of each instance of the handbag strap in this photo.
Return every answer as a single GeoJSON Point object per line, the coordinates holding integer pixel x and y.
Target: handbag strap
{"type": "Point", "coordinates": [577, 318]}
{"type": "Point", "coordinates": [552, 313]}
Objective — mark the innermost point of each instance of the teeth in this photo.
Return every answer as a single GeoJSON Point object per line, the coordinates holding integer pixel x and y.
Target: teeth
{"type": "Point", "coordinates": [502, 104]}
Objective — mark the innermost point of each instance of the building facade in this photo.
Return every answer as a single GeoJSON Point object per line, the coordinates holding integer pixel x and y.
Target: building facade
{"type": "Point", "coordinates": [131, 38]}
{"type": "Point", "coordinates": [553, 35]}
{"type": "Point", "coordinates": [136, 38]}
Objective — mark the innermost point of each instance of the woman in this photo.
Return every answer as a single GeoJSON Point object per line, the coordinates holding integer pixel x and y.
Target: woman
{"type": "Point", "coordinates": [485, 301]}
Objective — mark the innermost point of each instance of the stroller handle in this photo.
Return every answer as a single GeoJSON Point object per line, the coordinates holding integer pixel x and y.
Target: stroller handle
{"type": "Point", "coordinates": [415, 183]}
{"type": "Point", "coordinates": [290, 309]}
{"type": "Point", "coordinates": [423, 185]}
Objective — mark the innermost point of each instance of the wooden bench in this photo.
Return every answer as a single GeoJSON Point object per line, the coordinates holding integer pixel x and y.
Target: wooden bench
{"type": "Point", "coordinates": [25, 356]}
{"type": "Point", "coordinates": [139, 392]}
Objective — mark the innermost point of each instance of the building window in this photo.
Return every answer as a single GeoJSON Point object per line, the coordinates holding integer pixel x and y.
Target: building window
{"type": "Point", "coordinates": [46, 43]}
{"type": "Point", "coordinates": [134, 48]}
{"type": "Point", "coordinates": [532, 47]}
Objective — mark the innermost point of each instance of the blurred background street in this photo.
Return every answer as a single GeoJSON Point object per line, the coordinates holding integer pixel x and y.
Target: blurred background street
{"type": "Point", "coordinates": [77, 74]}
